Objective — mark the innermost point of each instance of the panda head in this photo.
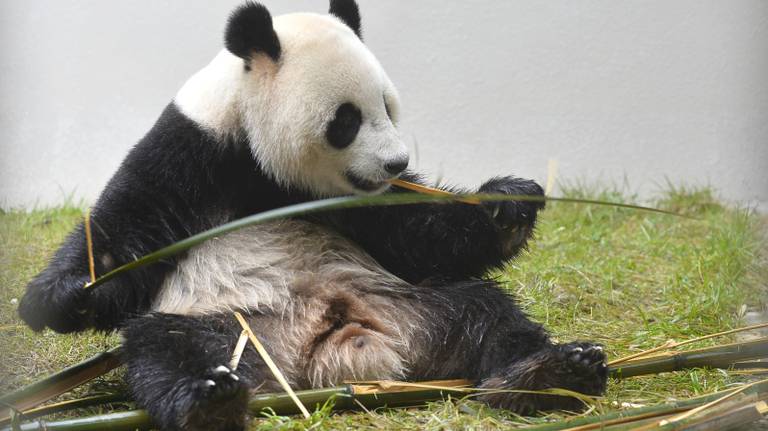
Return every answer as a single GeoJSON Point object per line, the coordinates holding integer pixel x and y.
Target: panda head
{"type": "Point", "coordinates": [315, 105]}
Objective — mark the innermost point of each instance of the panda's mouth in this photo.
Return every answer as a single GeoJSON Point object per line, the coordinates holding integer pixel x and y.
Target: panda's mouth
{"type": "Point", "coordinates": [364, 184]}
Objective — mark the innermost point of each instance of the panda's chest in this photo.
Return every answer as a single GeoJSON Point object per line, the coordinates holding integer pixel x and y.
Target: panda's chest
{"type": "Point", "coordinates": [258, 268]}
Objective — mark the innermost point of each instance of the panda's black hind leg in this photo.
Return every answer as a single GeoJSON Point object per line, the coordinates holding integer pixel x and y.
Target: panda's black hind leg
{"type": "Point", "coordinates": [578, 366]}
{"type": "Point", "coordinates": [176, 369]}
{"type": "Point", "coordinates": [484, 336]}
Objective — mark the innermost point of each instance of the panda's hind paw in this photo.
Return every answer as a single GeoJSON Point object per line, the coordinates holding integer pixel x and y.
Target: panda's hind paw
{"type": "Point", "coordinates": [219, 384]}
{"type": "Point", "coordinates": [219, 402]}
{"type": "Point", "coordinates": [584, 367]}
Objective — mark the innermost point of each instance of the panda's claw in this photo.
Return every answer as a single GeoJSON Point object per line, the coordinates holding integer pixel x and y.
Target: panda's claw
{"type": "Point", "coordinates": [221, 369]}
{"type": "Point", "coordinates": [220, 383]}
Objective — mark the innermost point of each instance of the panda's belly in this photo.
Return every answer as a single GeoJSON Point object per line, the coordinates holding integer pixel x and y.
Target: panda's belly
{"type": "Point", "coordinates": [258, 268]}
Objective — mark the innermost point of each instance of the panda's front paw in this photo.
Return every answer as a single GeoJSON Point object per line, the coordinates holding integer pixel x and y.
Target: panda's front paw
{"type": "Point", "coordinates": [509, 214]}
{"type": "Point", "coordinates": [515, 219]}
{"type": "Point", "coordinates": [60, 304]}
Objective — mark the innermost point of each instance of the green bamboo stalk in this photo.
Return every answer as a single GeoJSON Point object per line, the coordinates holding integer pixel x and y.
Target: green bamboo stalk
{"type": "Point", "coordinates": [343, 203]}
{"type": "Point", "coordinates": [711, 414]}
{"type": "Point", "coordinates": [744, 415]}
{"type": "Point", "coordinates": [65, 406]}
{"type": "Point", "coordinates": [343, 396]}
{"type": "Point", "coordinates": [714, 357]}
{"type": "Point", "coordinates": [123, 421]}
{"type": "Point", "coordinates": [758, 391]}
{"type": "Point", "coordinates": [58, 383]}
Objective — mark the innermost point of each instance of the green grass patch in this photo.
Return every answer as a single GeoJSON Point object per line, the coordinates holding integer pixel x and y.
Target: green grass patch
{"type": "Point", "coordinates": [629, 279]}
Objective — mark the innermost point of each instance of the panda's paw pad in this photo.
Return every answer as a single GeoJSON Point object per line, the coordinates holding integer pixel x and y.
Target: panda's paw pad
{"type": "Point", "coordinates": [220, 383]}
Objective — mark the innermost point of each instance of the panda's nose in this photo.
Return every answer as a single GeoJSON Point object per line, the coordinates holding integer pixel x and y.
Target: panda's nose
{"type": "Point", "coordinates": [396, 166]}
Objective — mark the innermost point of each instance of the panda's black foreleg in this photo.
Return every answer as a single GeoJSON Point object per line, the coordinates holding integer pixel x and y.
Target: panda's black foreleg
{"type": "Point", "coordinates": [56, 297]}
{"type": "Point", "coordinates": [484, 336]}
{"type": "Point", "coordinates": [447, 241]}
{"type": "Point", "coordinates": [177, 368]}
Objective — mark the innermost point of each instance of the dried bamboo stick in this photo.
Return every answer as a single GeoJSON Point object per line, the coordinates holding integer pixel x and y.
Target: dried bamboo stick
{"type": "Point", "coordinates": [89, 245]}
{"type": "Point", "coordinates": [271, 364]}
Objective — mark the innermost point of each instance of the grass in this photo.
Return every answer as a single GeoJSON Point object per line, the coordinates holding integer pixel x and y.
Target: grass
{"type": "Point", "coordinates": [629, 279]}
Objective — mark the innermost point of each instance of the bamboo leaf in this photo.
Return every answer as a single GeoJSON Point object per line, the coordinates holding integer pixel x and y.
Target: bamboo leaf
{"type": "Point", "coordinates": [343, 203]}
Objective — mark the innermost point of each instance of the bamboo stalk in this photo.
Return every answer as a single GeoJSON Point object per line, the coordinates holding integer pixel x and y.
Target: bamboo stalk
{"type": "Point", "coordinates": [58, 383]}
{"type": "Point", "coordinates": [123, 421]}
{"type": "Point", "coordinates": [667, 346]}
{"type": "Point", "coordinates": [69, 405]}
{"type": "Point", "coordinates": [729, 420]}
{"type": "Point", "coordinates": [728, 408]}
{"type": "Point", "coordinates": [758, 390]}
{"type": "Point", "coordinates": [344, 398]}
{"type": "Point", "coordinates": [713, 357]}
{"type": "Point", "coordinates": [693, 412]}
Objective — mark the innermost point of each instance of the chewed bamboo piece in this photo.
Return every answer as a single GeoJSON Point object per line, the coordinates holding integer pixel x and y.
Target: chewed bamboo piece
{"type": "Point", "coordinates": [239, 348]}
{"type": "Point", "coordinates": [271, 364]}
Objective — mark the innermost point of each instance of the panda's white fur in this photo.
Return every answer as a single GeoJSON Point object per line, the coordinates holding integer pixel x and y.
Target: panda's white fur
{"type": "Point", "coordinates": [292, 269]}
{"type": "Point", "coordinates": [255, 268]}
{"type": "Point", "coordinates": [283, 108]}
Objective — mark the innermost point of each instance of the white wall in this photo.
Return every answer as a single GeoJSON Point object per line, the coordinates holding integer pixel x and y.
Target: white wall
{"type": "Point", "coordinates": [635, 90]}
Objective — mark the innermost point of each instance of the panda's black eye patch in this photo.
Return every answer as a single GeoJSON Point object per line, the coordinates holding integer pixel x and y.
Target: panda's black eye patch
{"type": "Point", "coordinates": [343, 129]}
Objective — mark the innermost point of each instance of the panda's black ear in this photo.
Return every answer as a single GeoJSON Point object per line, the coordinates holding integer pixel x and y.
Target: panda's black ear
{"type": "Point", "coordinates": [249, 31]}
{"type": "Point", "coordinates": [348, 12]}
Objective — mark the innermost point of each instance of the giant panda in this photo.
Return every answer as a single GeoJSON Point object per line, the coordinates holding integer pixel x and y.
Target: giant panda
{"type": "Point", "coordinates": [294, 109]}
